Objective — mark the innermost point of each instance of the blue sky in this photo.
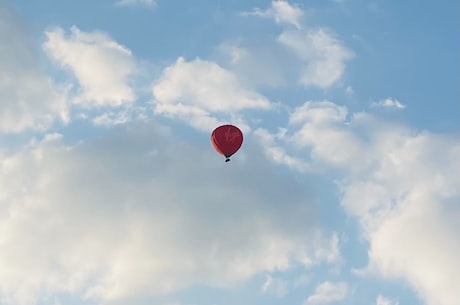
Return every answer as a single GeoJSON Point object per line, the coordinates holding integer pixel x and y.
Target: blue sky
{"type": "Point", "coordinates": [345, 190]}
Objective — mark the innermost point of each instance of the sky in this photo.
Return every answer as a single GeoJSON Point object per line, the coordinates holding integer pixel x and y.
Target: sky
{"type": "Point", "coordinates": [345, 191]}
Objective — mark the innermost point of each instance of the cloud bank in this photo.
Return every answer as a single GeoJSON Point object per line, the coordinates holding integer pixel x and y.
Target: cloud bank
{"type": "Point", "coordinates": [400, 186]}
{"type": "Point", "coordinates": [29, 99]}
{"type": "Point", "coordinates": [129, 214]}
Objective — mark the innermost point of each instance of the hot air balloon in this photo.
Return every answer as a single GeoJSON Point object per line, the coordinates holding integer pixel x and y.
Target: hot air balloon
{"type": "Point", "coordinates": [227, 139]}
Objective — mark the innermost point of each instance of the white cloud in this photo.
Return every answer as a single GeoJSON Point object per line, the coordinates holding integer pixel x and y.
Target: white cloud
{"type": "Point", "coordinates": [320, 127]}
{"type": "Point", "coordinates": [122, 116]}
{"type": "Point", "coordinates": [199, 90]}
{"type": "Point", "coordinates": [381, 300]}
{"type": "Point", "coordinates": [319, 113]}
{"type": "Point", "coordinates": [324, 135]}
{"type": "Point", "coordinates": [126, 215]}
{"type": "Point", "coordinates": [29, 100]}
{"type": "Point", "coordinates": [330, 252]}
{"type": "Point", "coordinates": [147, 3]}
{"type": "Point", "coordinates": [388, 103]}
{"type": "Point", "coordinates": [277, 153]}
{"type": "Point", "coordinates": [408, 212]}
{"type": "Point", "coordinates": [275, 286]}
{"type": "Point", "coordinates": [101, 66]}
{"type": "Point", "coordinates": [323, 55]}
{"type": "Point", "coordinates": [317, 132]}
{"type": "Point", "coordinates": [281, 11]}
{"type": "Point", "coordinates": [255, 64]}
{"type": "Point", "coordinates": [328, 292]}
{"type": "Point", "coordinates": [349, 90]}
{"type": "Point", "coordinates": [399, 184]}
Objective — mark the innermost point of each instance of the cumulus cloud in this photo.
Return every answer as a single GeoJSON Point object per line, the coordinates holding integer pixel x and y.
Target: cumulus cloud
{"type": "Point", "coordinates": [328, 292]}
{"type": "Point", "coordinates": [401, 187]}
{"type": "Point", "coordinates": [323, 55]}
{"type": "Point", "coordinates": [319, 126]}
{"type": "Point", "coordinates": [406, 206]}
{"type": "Point", "coordinates": [129, 215]}
{"type": "Point", "coordinates": [281, 11]}
{"type": "Point", "coordinates": [101, 66]}
{"type": "Point", "coordinates": [199, 90]}
{"type": "Point", "coordinates": [29, 100]}
{"type": "Point", "coordinates": [425, 216]}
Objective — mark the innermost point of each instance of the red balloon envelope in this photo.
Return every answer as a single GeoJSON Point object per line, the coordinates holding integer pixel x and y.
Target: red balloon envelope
{"type": "Point", "coordinates": [227, 139]}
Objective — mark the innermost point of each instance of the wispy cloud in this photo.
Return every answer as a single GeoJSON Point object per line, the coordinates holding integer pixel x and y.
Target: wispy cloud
{"type": "Point", "coordinates": [146, 3]}
{"type": "Point", "coordinates": [275, 286]}
{"type": "Point", "coordinates": [278, 153]}
{"type": "Point", "coordinates": [381, 300]}
{"type": "Point", "coordinates": [388, 103]}
{"type": "Point", "coordinates": [328, 292]}
{"type": "Point", "coordinates": [121, 116]}
{"type": "Point", "coordinates": [281, 11]}
{"type": "Point", "coordinates": [323, 55]}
